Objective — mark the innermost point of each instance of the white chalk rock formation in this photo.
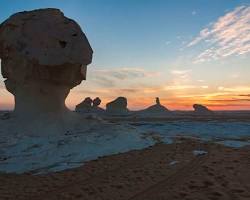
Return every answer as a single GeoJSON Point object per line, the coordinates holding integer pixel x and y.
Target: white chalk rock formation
{"type": "Point", "coordinates": [90, 106]}
{"type": "Point", "coordinates": [201, 109]}
{"type": "Point", "coordinates": [96, 108]}
{"type": "Point", "coordinates": [118, 106]}
{"type": "Point", "coordinates": [96, 102]}
{"type": "Point", "coordinates": [155, 110]}
{"type": "Point", "coordinates": [157, 100]}
{"type": "Point", "coordinates": [85, 105]}
{"type": "Point", "coordinates": [44, 54]}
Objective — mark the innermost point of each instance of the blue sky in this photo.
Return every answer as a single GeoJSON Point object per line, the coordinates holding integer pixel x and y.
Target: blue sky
{"type": "Point", "coordinates": [133, 32]}
{"type": "Point", "coordinates": [155, 45]}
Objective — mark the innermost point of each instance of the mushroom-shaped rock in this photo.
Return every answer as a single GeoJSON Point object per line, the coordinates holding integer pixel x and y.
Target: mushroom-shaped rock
{"type": "Point", "coordinates": [44, 54]}
{"type": "Point", "coordinates": [85, 105]}
{"type": "Point", "coordinates": [118, 106]}
{"type": "Point", "coordinates": [96, 102]}
{"type": "Point", "coordinates": [95, 108]}
{"type": "Point", "coordinates": [201, 109]}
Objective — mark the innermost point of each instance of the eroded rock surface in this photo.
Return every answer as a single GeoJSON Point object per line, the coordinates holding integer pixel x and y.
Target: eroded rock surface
{"type": "Point", "coordinates": [85, 105]}
{"type": "Point", "coordinates": [118, 106]}
{"type": "Point", "coordinates": [44, 54]}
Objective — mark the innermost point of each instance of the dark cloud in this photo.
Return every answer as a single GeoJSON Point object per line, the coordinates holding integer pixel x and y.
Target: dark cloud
{"type": "Point", "coordinates": [128, 90]}
{"type": "Point", "coordinates": [109, 91]}
{"type": "Point", "coordinates": [102, 80]}
{"type": "Point", "coordinates": [110, 78]}
{"type": "Point", "coordinates": [91, 92]}
{"type": "Point", "coordinates": [125, 74]}
{"type": "Point", "coordinates": [244, 95]}
{"type": "Point", "coordinates": [228, 100]}
{"type": "Point", "coordinates": [227, 105]}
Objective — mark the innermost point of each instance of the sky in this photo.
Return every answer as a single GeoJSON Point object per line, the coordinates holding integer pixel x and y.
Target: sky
{"type": "Point", "coordinates": [183, 52]}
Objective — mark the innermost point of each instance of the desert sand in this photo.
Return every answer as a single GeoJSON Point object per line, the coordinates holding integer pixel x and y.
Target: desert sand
{"type": "Point", "coordinates": [162, 171]}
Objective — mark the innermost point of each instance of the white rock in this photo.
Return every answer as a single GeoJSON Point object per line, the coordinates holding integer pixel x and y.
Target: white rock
{"type": "Point", "coordinates": [174, 162]}
{"type": "Point", "coordinates": [44, 54]}
{"type": "Point", "coordinates": [118, 106]}
{"type": "Point", "coordinates": [201, 109]}
{"type": "Point", "coordinates": [199, 152]}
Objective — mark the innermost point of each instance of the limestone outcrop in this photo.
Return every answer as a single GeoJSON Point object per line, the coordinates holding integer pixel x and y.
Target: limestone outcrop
{"type": "Point", "coordinates": [90, 106]}
{"type": "Point", "coordinates": [201, 109]}
{"type": "Point", "coordinates": [85, 105]}
{"type": "Point", "coordinates": [96, 102]}
{"type": "Point", "coordinates": [118, 106]}
{"type": "Point", "coordinates": [156, 109]}
{"type": "Point", "coordinates": [96, 108]}
{"type": "Point", "coordinates": [44, 54]}
{"type": "Point", "coordinates": [157, 100]}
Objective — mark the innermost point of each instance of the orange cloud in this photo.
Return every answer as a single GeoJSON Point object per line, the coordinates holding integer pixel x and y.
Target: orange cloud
{"type": "Point", "coordinates": [142, 98]}
{"type": "Point", "coordinates": [175, 97]}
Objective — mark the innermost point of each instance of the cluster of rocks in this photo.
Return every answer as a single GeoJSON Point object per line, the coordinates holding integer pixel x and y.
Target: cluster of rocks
{"type": "Point", "coordinates": [119, 106]}
{"type": "Point", "coordinates": [89, 105]}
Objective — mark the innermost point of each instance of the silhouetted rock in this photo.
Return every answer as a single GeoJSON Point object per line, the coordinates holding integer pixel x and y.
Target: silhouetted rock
{"type": "Point", "coordinates": [44, 54]}
{"type": "Point", "coordinates": [118, 106]}
{"type": "Point", "coordinates": [200, 109]}
{"type": "Point", "coordinates": [95, 108]}
{"type": "Point", "coordinates": [96, 102]}
{"type": "Point", "coordinates": [85, 105]}
{"type": "Point", "coordinates": [156, 109]}
{"type": "Point", "coordinates": [90, 106]}
{"type": "Point", "coordinates": [157, 101]}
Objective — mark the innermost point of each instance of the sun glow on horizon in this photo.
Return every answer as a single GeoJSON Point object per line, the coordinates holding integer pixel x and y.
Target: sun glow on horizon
{"type": "Point", "coordinates": [216, 101]}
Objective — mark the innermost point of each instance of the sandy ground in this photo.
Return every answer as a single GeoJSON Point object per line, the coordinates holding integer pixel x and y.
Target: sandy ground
{"type": "Point", "coordinates": [222, 173]}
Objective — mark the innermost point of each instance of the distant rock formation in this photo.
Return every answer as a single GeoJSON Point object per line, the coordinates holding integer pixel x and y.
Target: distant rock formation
{"type": "Point", "coordinates": [96, 102]}
{"type": "Point", "coordinates": [44, 54]}
{"type": "Point", "coordinates": [85, 105]}
{"type": "Point", "coordinates": [156, 109]}
{"type": "Point", "coordinates": [118, 106]}
{"type": "Point", "coordinates": [157, 100]}
{"type": "Point", "coordinates": [90, 106]}
{"type": "Point", "coordinates": [201, 109]}
{"type": "Point", "coordinates": [95, 108]}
